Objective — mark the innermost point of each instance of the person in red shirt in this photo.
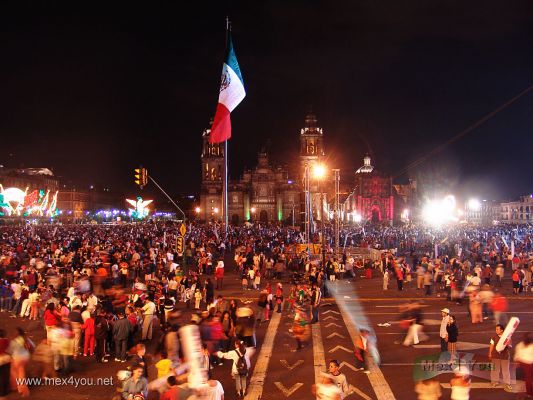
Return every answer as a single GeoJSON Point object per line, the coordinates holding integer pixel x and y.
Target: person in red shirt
{"type": "Point", "coordinates": [88, 328]}
{"type": "Point", "coordinates": [219, 274]}
{"type": "Point", "coordinates": [516, 281]}
{"type": "Point", "coordinates": [51, 318]}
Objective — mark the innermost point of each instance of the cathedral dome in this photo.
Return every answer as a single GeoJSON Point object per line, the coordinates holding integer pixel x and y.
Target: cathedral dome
{"type": "Point", "coordinates": [367, 166]}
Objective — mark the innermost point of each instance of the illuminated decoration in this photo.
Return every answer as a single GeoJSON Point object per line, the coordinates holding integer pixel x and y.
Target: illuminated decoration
{"type": "Point", "coordinates": [405, 215]}
{"type": "Point", "coordinates": [164, 214]}
{"type": "Point", "coordinates": [141, 207]}
{"type": "Point", "coordinates": [439, 212]}
{"type": "Point", "coordinates": [13, 200]}
{"type": "Point", "coordinates": [357, 217]}
{"type": "Point", "coordinates": [37, 203]}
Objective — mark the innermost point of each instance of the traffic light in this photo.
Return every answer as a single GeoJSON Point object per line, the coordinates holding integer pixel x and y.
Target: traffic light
{"type": "Point", "coordinates": [141, 177]}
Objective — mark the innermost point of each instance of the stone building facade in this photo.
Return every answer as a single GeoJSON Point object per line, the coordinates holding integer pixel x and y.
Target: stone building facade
{"type": "Point", "coordinates": [265, 193]}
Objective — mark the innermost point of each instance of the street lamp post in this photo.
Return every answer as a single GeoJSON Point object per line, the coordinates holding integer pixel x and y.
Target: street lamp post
{"type": "Point", "coordinates": [197, 211]}
{"type": "Point", "coordinates": [336, 221]}
{"type": "Point", "coordinates": [319, 172]}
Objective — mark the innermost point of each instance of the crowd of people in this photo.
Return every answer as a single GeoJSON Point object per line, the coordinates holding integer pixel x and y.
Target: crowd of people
{"type": "Point", "coordinates": [109, 292]}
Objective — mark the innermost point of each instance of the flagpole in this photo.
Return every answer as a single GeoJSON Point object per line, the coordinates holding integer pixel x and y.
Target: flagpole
{"type": "Point", "coordinates": [225, 187]}
{"type": "Point", "coordinates": [225, 182]}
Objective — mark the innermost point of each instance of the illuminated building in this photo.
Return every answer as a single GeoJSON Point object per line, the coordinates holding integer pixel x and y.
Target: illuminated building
{"type": "Point", "coordinates": [277, 193]}
{"type": "Point", "coordinates": [517, 212]}
{"type": "Point", "coordinates": [273, 192]}
{"type": "Point", "coordinates": [372, 199]}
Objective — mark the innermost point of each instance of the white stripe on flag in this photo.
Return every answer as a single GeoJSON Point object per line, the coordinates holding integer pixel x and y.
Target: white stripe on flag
{"type": "Point", "coordinates": [234, 92]}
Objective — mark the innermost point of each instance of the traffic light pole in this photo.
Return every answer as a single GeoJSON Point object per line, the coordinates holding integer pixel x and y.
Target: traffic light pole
{"type": "Point", "coordinates": [168, 197]}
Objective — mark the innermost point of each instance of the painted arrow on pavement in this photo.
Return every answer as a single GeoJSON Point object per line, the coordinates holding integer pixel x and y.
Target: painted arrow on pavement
{"type": "Point", "coordinates": [353, 389]}
{"type": "Point", "coordinates": [331, 311]}
{"type": "Point", "coordinates": [333, 324]}
{"type": "Point", "coordinates": [345, 364]}
{"type": "Point", "coordinates": [291, 390]}
{"type": "Point", "coordinates": [330, 317]}
{"type": "Point", "coordinates": [460, 346]}
{"type": "Point", "coordinates": [291, 367]}
{"type": "Point", "coordinates": [341, 348]}
{"type": "Point", "coordinates": [336, 334]}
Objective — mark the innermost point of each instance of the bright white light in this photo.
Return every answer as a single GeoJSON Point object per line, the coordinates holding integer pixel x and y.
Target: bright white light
{"type": "Point", "coordinates": [405, 215]}
{"type": "Point", "coordinates": [357, 217]}
{"type": "Point", "coordinates": [474, 205]}
{"type": "Point", "coordinates": [319, 171]}
{"type": "Point", "coordinates": [215, 210]}
{"type": "Point", "coordinates": [14, 194]}
{"type": "Point", "coordinates": [253, 210]}
{"type": "Point", "coordinates": [197, 210]}
{"type": "Point", "coordinates": [438, 212]}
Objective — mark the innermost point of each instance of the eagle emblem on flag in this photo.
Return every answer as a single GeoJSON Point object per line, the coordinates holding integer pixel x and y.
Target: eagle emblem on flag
{"type": "Point", "coordinates": [225, 80]}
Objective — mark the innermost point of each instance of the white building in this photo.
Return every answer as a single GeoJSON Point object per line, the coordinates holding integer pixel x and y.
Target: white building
{"type": "Point", "coordinates": [518, 212]}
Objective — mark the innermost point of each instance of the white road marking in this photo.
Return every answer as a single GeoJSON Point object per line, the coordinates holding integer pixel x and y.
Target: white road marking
{"type": "Point", "coordinates": [291, 367]}
{"type": "Point", "coordinates": [255, 389]}
{"type": "Point", "coordinates": [288, 391]}
{"type": "Point", "coordinates": [345, 364]}
{"type": "Point", "coordinates": [331, 311]}
{"type": "Point", "coordinates": [396, 306]}
{"type": "Point", "coordinates": [518, 388]}
{"type": "Point", "coordinates": [333, 324]}
{"type": "Point", "coordinates": [319, 360]}
{"type": "Point", "coordinates": [460, 346]}
{"type": "Point", "coordinates": [439, 313]}
{"type": "Point", "coordinates": [336, 334]}
{"type": "Point", "coordinates": [436, 333]}
{"type": "Point", "coordinates": [353, 389]}
{"type": "Point", "coordinates": [341, 348]}
{"type": "Point", "coordinates": [352, 312]}
{"type": "Point", "coordinates": [330, 317]}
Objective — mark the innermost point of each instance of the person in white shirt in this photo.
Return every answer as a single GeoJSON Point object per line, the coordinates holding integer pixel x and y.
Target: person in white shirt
{"type": "Point", "coordinates": [523, 354]}
{"type": "Point", "coordinates": [327, 390]}
{"type": "Point", "coordinates": [339, 378]}
{"type": "Point", "coordinates": [443, 333]}
{"type": "Point", "coordinates": [214, 391]}
{"type": "Point", "coordinates": [241, 351]}
{"type": "Point", "coordinates": [148, 316]}
{"type": "Point", "coordinates": [92, 302]}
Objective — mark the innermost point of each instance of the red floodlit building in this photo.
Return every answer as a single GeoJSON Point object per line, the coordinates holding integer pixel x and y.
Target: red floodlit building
{"type": "Point", "coordinates": [372, 198]}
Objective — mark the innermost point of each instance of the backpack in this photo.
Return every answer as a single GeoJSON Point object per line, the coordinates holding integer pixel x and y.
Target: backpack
{"type": "Point", "coordinates": [242, 366]}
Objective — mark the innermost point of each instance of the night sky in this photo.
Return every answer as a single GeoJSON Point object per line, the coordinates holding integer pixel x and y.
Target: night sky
{"type": "Point", "coordinates": [94, 92]}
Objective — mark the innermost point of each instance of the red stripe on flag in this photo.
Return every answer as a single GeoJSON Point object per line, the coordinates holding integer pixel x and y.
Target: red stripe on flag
{"type": "Point", "coordinates": [221, 129]}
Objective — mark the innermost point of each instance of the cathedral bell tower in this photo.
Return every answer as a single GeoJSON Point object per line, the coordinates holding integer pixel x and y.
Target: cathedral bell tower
{"type": "Point", "coordinates": [212, 175]}
{"type": "Point", "coordinates": [312, 153]}
{"type": "Point", "coordinates": [311, 143]}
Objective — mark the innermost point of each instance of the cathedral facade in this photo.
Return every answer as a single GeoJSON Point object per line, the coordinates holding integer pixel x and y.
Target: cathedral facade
{"type": "Point", "coordinates": [266, 193]}
{"type": "Point", "coordinates": [270, 193]}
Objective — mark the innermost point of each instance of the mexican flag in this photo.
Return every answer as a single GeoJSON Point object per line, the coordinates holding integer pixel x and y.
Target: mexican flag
{"type": "Point", "coordinates": [231, 94]}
